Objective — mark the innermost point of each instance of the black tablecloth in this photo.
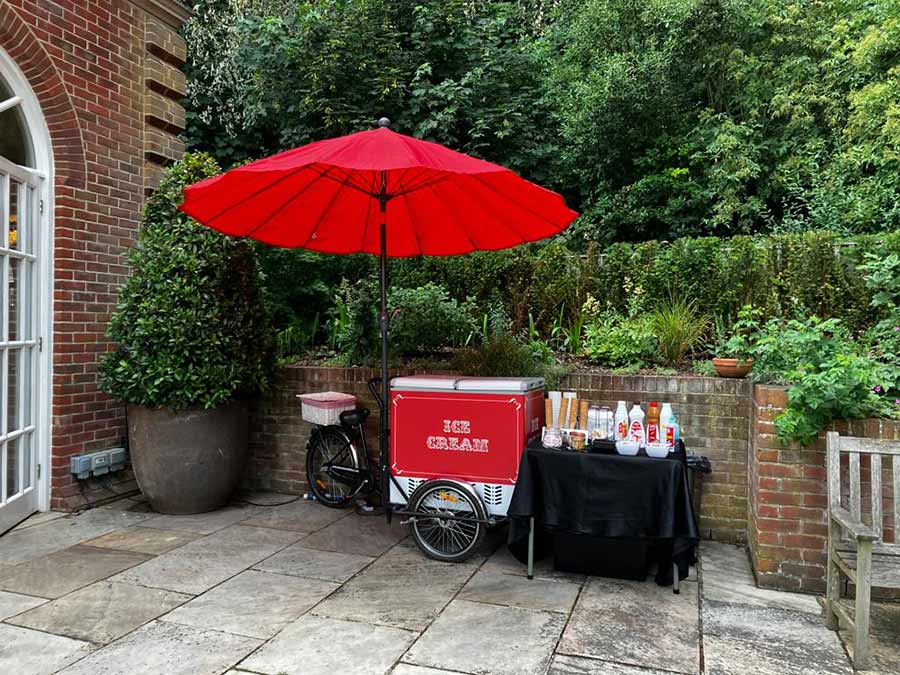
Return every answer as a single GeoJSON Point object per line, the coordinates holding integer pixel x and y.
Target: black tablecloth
{"type": "Point", "coordinates": [608, 498]}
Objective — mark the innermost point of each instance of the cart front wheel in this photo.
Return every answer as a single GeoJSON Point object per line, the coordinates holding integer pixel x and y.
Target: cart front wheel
{"type": "Point", "coordinates": [446, 525]}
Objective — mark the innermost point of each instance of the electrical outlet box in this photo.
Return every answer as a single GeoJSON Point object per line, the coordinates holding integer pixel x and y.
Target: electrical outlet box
{"type": "Point", "coordinates": [97, 463]}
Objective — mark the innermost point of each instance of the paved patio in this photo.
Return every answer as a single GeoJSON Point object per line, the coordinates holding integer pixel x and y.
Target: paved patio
{"type": "Point", "coordinates": [299, 589]}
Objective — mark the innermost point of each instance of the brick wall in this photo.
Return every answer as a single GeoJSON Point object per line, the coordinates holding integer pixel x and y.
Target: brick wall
{"type": "Point", "coordinates": [713, 414]}
{"type": "Point", "coordinates": [105, 74]}
{"type": "Point", "coordinates": [788, 496]}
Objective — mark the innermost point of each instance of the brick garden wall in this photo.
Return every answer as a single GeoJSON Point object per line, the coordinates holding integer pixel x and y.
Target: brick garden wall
{"type": "Point", "coordinates": [106, 75]}
{"type": "Point", "coordinates": [788, 496]}
{"type": "Point", "coordinates": [713, 414]}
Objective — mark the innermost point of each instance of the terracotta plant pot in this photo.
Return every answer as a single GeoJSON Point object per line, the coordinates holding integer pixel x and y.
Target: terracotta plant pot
{"type": "Point", "coordinates": [190, 461]}
{"type": "Point", "coordinates": [732, 367]}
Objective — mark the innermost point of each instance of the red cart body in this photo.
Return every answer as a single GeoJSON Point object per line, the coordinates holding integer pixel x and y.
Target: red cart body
{"type": "Point", "coordinates": [465, 428]}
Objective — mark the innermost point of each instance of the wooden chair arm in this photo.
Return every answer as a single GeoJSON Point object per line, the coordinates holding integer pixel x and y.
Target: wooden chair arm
{"type": "Point", "coordinates": [858, 529]}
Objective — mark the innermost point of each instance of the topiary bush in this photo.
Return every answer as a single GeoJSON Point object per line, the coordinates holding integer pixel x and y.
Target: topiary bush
{"type": "Point", "coordinates": [191, 326]}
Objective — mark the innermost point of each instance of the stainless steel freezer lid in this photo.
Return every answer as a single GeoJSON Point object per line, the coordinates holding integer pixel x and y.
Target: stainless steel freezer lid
{"type": "Point", "coordinates": [424, 382]}
{"type": "Point", "coordinates": [511, 385]}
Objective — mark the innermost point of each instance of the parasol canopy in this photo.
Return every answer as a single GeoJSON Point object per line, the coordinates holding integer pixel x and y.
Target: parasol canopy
{"type": "Point", "coordinates": [328, 196]}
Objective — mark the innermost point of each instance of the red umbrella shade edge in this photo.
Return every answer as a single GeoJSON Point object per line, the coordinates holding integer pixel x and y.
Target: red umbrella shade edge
{"type": "Point", "coordinates": [333, 196]}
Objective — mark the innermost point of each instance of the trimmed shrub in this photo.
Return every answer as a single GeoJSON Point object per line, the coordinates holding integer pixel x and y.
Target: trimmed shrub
{"type": "Point", "coordinates": [191, 326]}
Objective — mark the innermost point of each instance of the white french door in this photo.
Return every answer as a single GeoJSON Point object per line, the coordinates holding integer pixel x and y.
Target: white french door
{"type": "Point", "coordinates": [20, 217]}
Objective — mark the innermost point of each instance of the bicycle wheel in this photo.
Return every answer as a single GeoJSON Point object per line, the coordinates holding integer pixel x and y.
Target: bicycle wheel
{"type": "Point", "coordinates": [329, 453]}
{"type": "Point", "coordinates": [448, 527]}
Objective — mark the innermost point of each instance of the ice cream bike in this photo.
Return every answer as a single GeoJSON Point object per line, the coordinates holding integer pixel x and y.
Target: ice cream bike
{"type": "Point", "coordinates": [455, 446]}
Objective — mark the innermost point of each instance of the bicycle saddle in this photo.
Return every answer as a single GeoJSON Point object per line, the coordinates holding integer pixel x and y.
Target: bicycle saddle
{"type": "Point", "coordinates": [354, 418]}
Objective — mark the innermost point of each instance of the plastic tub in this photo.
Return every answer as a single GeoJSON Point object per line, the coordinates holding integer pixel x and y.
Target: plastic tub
{"type": "Point", "coordinates": [657, 450]}
{"type": "Point", "coordinates": [628, 448]}
{"type": "Point", "coordinates": [325, 407]}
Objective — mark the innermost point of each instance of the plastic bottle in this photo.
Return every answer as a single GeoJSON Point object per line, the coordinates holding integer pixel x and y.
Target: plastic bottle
{"type": "Point", "coordinates": [653, 423]}
{"type": "Point", "coordinates": [621, 422]}
{"type": "Point", "coordinates": [666, 419]}
{"type": "Point", "coordinates": [671, 430]}
{"type": "Point", "coordinates": [636, 425]}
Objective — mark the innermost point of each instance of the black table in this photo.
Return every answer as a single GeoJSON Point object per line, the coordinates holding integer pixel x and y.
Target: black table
{"type": "Point", "coordinates": [608, 504]}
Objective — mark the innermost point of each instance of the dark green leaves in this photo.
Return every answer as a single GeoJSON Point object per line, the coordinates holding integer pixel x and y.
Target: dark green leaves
{"type": "Point", "coordinates": [191, 327]}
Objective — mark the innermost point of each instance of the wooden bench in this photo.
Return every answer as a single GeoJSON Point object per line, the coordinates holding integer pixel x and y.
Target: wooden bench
{"type": "Point", "coordinates": [855, 549]}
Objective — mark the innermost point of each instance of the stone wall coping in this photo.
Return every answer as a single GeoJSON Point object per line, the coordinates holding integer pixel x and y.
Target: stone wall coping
{"type": "Point", "coordinates": [170, 12]}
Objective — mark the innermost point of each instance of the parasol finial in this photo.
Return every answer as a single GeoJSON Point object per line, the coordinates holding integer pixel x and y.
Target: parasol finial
{"type": "Point", "coordinates": [384, 123]}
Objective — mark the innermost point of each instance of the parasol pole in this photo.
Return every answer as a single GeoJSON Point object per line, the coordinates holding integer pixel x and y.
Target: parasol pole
{"type": "Point", "coordinates": [384, 440]}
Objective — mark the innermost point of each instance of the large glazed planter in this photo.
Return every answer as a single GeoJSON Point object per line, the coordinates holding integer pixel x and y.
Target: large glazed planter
{"type": "Point", "coordinates": [189, 461]}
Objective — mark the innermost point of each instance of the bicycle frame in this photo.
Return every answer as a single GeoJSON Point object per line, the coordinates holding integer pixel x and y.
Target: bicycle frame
{"type": "Point", "coordinates": [367, 472]}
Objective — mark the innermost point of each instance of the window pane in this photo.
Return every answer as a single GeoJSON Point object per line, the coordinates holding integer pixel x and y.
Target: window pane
{"type": "Point", "coordinates": [15, 142]}
{"type": "Point", "coordinates": [12, 390]}
{"type": "Point", "coordinates": [28, 212]}
{"type": "Point", "coordinates": [26, 386]}
{"type": "Point", "coordinates": [25, 457]}
{"type": "Point", "coordinates": [24, 299]}
{"type": "Point", "coordinates": [12, 468]}
{"type": "Point", "coordinates": [12, 298]}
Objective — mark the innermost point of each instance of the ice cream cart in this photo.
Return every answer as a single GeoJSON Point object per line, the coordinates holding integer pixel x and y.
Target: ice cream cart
{"type": "Point", "coordinates": [455, 448]}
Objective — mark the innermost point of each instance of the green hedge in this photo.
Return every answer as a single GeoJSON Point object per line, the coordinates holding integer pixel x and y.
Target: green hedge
{"type": "Point", "coordinates": [785, 275]}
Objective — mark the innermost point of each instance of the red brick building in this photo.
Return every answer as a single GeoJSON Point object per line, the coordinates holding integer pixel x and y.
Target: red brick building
{"type": "Point", "coordinates": [89, 114]}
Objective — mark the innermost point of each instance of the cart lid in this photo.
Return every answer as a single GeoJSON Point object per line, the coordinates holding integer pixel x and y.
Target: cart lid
{"type": "Point", "coordinates": [512, 385]}
{"type": "Point", "coordinates": [424, 382]}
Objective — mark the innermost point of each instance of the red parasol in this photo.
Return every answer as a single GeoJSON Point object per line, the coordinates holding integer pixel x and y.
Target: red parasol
{"type": "Point", "coordinates": [382, 193]}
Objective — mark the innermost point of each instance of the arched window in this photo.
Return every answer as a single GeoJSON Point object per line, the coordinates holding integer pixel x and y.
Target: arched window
{"type": "Point", "coordinates": [15, 141]}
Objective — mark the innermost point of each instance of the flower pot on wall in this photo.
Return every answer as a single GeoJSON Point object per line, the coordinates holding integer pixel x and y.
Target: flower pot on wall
{"type": "Point", "coordinates": [189, 461]}
{"type": "Point", "coordinates": [731, 367]}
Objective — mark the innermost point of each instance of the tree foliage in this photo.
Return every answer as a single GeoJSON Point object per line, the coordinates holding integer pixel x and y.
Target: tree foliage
{"type": "Point", "coordinates": [273, 75]}
{"type": "Point", "coordinates": [656, 118]}
{"type": "Point", "coordinates": [687, 117]}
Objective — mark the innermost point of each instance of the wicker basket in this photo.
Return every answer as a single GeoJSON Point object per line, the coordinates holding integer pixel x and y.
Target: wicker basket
{"type": "Point", "coordinates": [325, 407]}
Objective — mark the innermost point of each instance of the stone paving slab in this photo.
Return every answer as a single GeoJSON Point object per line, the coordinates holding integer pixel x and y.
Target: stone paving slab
{"type": "Point", "coordinates": [407, 669]}
{"type": "Point", "coordinates": [884, 637]}
{"type": "Point", "coordinates": [254, 604]}
{"type": "Point", "coordinates": [65, 571]}
{"type": "Point", "coordinates": [299, 516]}
{"type": "Point", "coordinates": [472, 637]}
{"type": "Point", "coordinates": [402, 589]}
{"type": "Point", "coordinates": [727, 656]}
{"type": "Point", "coordinates": [297, 560]}
{"type": "Point", "coordinates": [553, 595]}
{"type": "Point", "coordinates": [315, 645]}
{"type": "Point", "coordinates": [727, 578]}
{"type": "Point", "coordinates": [257, 497]}
{"type": "Point", "coordinates": [144, 540]}
{"type": "Point", "coordinates": [62, 533]}
{"type": "Point", "coordinates": [359, 535]}
{"type": "Point", "coordinates": [201, 523]}
{"type": "Point", "coordinates": [207, 562]}
{"type": "Point", "coordinates": [636, 623]}
{"type": "Point", "coordinates": [101, 612]}
{"type": "Point", "coordinates": [14, 603]}
{"type": "Point", "coordinates": [167, 649]}
{"type": "Point", "coordinates": [30, 652]}
{"type": "Point", "coordinates": [577, 665]}
{"type": "Point", "coordinates": [39, 518]}
{"type": "Point", "coordinates": [503, 561]}
{"type": "Point", "coordinates": [770, 640]}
